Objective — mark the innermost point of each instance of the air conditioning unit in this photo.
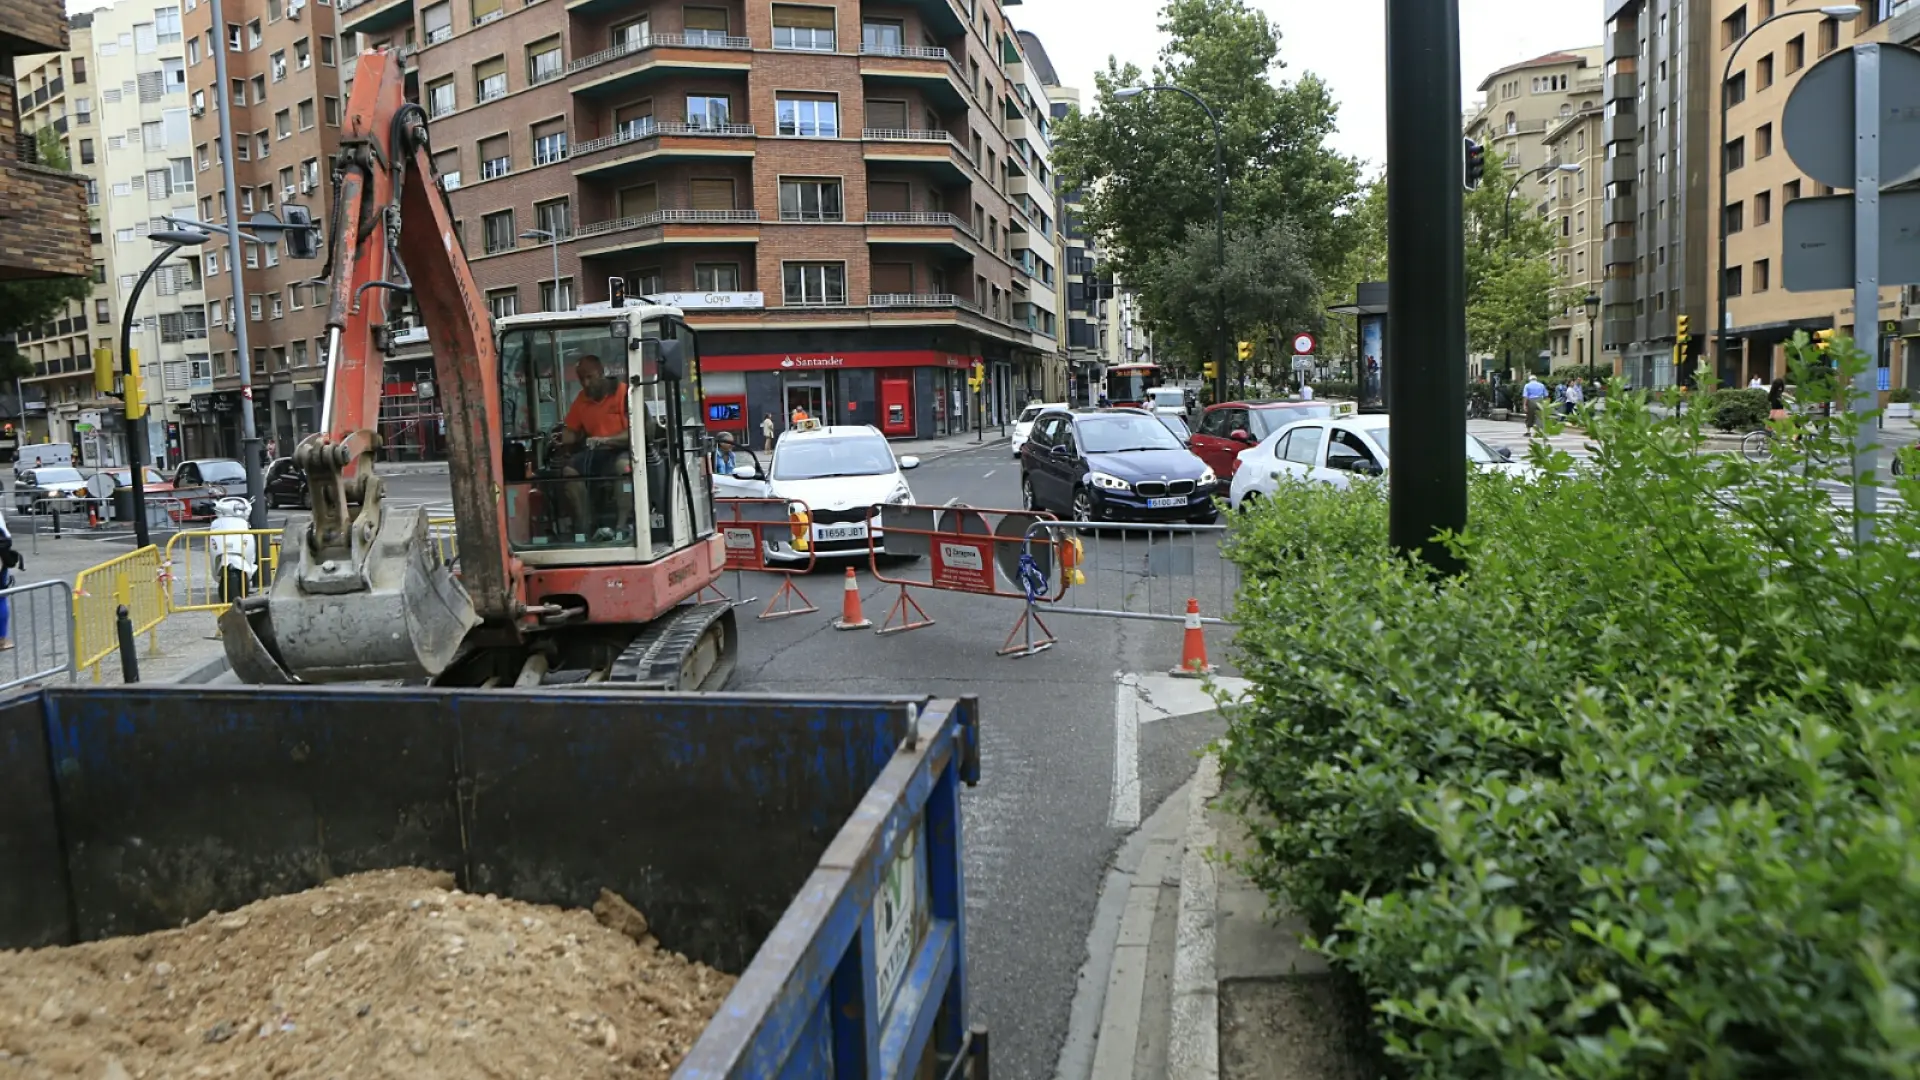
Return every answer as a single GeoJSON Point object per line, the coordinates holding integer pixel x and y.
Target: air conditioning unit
{"type": "Point", "coordinates": [293, 9]}
{"type": "Point", "coordinates": [199, 110]}
{"type": "Point", "coordinates": [287, 192]}
{"type": "Point", "coordinates": [306, 187]}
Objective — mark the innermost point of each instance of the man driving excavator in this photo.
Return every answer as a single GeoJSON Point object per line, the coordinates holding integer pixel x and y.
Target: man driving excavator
{"type": "Point", "coordinates": [597, 422]}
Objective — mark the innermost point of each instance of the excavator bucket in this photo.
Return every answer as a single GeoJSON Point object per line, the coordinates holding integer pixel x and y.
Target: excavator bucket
{"type": "Point", "coordinates": [391, 611]}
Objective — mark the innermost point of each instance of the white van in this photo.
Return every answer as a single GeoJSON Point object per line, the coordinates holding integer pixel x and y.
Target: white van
{"type": "Point", "coordinates": [42, 455]}
{"type": "Point", "coordinates": [1167, 401]}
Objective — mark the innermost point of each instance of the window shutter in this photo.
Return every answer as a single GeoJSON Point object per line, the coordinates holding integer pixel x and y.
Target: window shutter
{"type": "Point", "coordinates": [488, 69]}
{"type": "Point", "coordinates": [705, 18]}
{"type": "Point", "coordinates": [712, 195]}
{"type": "Point", "coordinates": [887, 115]}
{"type": "Point", "coordinates": [639, 201]}
{"type": "Point", "coordinates": [811, 18]}
{"type": "Point", "coordinates": [891, 197]}
{"type": "Point", "coordinates": [893, 277]}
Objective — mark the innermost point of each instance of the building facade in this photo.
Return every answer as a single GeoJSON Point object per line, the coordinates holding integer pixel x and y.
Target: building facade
{"type": "Point", "coordinates": [843, 195]}
{"type": "Point", "coordinates": [47, 228]}
{"type": "Point", "coordinates": [284, 91]}
{"type": "Point", "coordinates": [1573, 205]}
{"type": "Point", "coordinates": [1657, 218]}
{"type": "Point", "coordinates": [1761, 68]}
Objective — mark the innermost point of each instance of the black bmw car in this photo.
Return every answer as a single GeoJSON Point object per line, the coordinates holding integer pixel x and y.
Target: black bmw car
{"type": "Point", "coordinates": [1114, 465]}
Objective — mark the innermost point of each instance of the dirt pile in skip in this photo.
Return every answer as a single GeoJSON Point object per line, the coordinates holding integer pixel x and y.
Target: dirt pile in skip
{"type": "Point", "coordinates": [385, 974]}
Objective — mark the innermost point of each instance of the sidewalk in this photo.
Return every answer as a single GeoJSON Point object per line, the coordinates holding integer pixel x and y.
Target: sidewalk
{"type": "Point", "coordinates": [1204, 983]}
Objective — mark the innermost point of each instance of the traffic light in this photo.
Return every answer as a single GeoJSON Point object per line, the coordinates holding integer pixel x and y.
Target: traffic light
{"type": "Point", "coordinates": [133, 392]}
{"type": "Point", "coordinates": [9, 429]}
{"type": "Point", "coordinates": [1211, 369]}
{"type": "Point", "coordinates": [1246, 351]}
{"type": "Point", "coordinates": [617, 291]}
{"type": "Point", "coordinates": [303, 238]}
{"type": "Point", "coordinates": [1474, 165]}
{"type": "Point", "coordinates": [103, 370]}
{"type": "Point", "coordinates": [1823, 340]}
{"type": "Point", "coordinates": [977, 377]}
{"type": "Point", "coordinates": [1681, 326]}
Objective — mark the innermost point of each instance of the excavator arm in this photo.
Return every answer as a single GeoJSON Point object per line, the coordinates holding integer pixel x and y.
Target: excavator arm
{"type": "Point", "coordinates": [361, 593]}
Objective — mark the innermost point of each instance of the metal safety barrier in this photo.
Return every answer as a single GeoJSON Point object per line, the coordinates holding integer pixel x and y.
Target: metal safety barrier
{"type": "Point", "coordinates": [39, 623]}
{"type": "Point", "coordinates": [193, 574]}
{"type": "Point", "coordinates": [137, 580]}
{"type": "Point", "coordinates": [1128, 571]}
{"type": "Point", "coordinates": [768, 536]}
{"type": "Point", "coordinates": [446, 539]}
{"type": "Point", "coordinates": [970, 550]}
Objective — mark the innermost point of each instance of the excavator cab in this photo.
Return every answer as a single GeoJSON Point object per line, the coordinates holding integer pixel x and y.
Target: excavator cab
{"type": "Point", "coordinates": [603, 449]}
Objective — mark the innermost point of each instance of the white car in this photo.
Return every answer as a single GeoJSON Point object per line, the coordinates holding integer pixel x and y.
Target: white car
{"type": "Point", "coordinates": [839, 473]}
{"type": "Point", "coordinates": [1167, 401]}
{"type": "Point", "coordinates": [1336, 452]}
{"type": "Point", "coordinates": [1023, 427]}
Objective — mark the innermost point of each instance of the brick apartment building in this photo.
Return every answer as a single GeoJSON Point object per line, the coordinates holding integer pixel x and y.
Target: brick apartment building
{"type": "Point", "coordinates": [831, 189]}
{"type": "Point", "coordinates": [43, 211]}
{"type": "Point", "coordinates": [283, 70]}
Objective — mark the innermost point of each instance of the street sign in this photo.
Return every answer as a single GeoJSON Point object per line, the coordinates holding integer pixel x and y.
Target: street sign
{"type": "Point", "coordinates": [1821, 144]}
{"type": "Point", "coordinates": [1817, 242]}
{"type": "Point", "coordinates": [1304, 344]}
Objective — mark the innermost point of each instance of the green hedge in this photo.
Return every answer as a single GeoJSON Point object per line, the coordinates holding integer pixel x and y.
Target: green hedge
{"type": "Point", "coordinates": [1639, 796]}
{"type": "Point", "coordinates": [1735, 410]}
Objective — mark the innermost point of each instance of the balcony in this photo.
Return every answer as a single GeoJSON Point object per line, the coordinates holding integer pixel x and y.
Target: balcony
{"type": "Point", "coordinates": [1621, 170]}
{"type": "Point", "coordinates": [1619, 212]}
{"type": "Point", "coordinates": [943, 18]}
{"type": "Point", "coordinates": [922, 228]}
{"type": "Point", "coordinates": [668, 227]}
{"type": "Point", "coordinates": [639, 144]}
{"type": "Point", "coordinates": [660, 54]}
{"type": "Point", "coordinates": [1623, 87]}
{"type": "Point", "coordinates": [1620, 251]}
{"type": "Point", "coordinates": [1616, 291]}
{"type": "Point", "coordinates": [934, 152]}
{"type": "Point", "coordinates": [1615, 333]}
{"type": "Point", "coordinates": [374, 16]}
{"type": "Point", "coordinates": [930, 70]}
{"type": "Point", "coordinates": [1620, 127]}
{"type": "Point", "coordinates": [921, 300]}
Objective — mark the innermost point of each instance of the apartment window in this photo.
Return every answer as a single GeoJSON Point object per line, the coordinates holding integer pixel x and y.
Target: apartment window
{"type": "Point", "coordinates": [278, 308]}
{"type": "Point", "coordinates": [706, 26]}
{"type": "Point", "coordinates": [503, 302]}
{"type": "Point", "coordinates": [263, 146]}
{"type": "Point", "coordinates": [1789, 191]}
{"type": "Point", "coordinates": [306, 115]}
{"type": "Point", "coordinates": [1736, 154]}
{"type": "Point", "coordinates": [809, 29]}
{"type": "Point", "coordinates": [716, 277]}
{"type": "Point", "coordinates": [86, 151]}
{"type": "Point", "coordinates": [631, 35]}
{"type": "Point", "coordinates": [811, 118]}
{"type": "Point", "coordinates": [277, 65]}
{"type": "Point", "coordinates": [253, 34]}
{"type": "Point", "coordinates": [440, 99]}
{"type": "Point", "coordinates": [499, 231]}
{"type": "Point", "coordinates": [193, 51]}
{"type": "Point", "coordinates": [1829, 35]}
{"type": "Point", "coordinates": [496, 158]}
{"type": "Point", "coordinates": [550, 142]}
{"type": "Point", "coordinates": [236, 37]}
{"type": "Point", "coordinates": [554, 216]}
{"type": "Point", "coordinates": [283, 123]}
{"type": "Point", "coordinates": [332, 109]}
{"type": "Point", "coordinates": [485, 11]}
{"type": "Point", "coordinates": [1763, 141]}
{"type": "Point", "coordinates": [711, 194]}
{"type": "Point", "coordinates": [1735, 91]}
{"type": "Point", "coordinates": [638, 201]}
{"type": "Point", "coordinates": [814, 284]}
{"type": "Point", "coordinates": [252, 250]}
{"type": "Point", "coordinates": [438, 21]}
{"type": "Point", "coordinates": [882, 36]}
{"type": "Point", "coordinates": [1736, 218]}
{"type": "Point", "coordinates": [310, 178]}
{"type": "Point", "coordinates": [708, 113]}
{"type": "Point", "coordinates": [254, 307]}
{"type": "Point", "coordinates": [1762, 275]}
{"type": "Point", "coordinates": [93, 199]}
{"type": "Point", "coordinates": [237, 91]}
{"type": "Point", "coordinates": [1796, 53]}
{"type": "Point", "coordinates": [79, 71]}
{"type": "Point", "coordinates": [259, 89]}
{"type": "Point", "coordinates": [1733, 27]}
{"type": "Point", "coordinates": [561, 299]}
{"type": "Point", "coordinates": [490, 79]}
{"type": "Point", "coordinates": [543, 61]}
{"type": "Point", "coordinates": [1733, 281]}
{"type": "Point", "coordinates": [1762, 207]}
{"type": "Point", "coordinates": [1763, 72]}
{"type": "Point", "coordinates": [102, 312]}
{"type": "Point", "coordinates": [302, 55]}
{"type": "Point", "coordinates": [810, 200]}
{"type": "Point", "coordinates": [326, 48]}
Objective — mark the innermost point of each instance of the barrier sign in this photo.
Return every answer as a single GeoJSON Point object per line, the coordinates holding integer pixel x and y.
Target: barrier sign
{"type": "Point", "coordinates": [969, 550]}
{"type": "Point", "coordinates": [963, 565]}
{"type": "Point", "coordinates": [768, 536]}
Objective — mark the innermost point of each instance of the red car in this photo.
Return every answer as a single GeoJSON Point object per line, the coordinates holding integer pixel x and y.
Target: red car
{"type": "Point", "coordinates": [1232, 426]}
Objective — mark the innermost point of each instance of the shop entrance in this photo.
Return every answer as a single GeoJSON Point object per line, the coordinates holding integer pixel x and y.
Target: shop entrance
{"type": "Point", "coordinates": [807, 392]}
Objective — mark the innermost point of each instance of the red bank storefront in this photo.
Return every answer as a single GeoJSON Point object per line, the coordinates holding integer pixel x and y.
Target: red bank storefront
{"type": "Point", "coordinates": [906, 393]}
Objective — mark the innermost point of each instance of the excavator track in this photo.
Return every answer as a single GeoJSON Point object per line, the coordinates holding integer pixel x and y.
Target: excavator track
{"type": "Point", "coordinates": [693, 648]}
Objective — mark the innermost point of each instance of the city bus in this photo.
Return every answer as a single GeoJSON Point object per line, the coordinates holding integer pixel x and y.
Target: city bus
{"type": "Point", "coordinates": [1127, 384]}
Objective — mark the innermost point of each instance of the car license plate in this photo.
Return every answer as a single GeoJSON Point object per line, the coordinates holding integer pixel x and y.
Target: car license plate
{"type": "Point", "coordinates": [842, 532]}
{"type": "Point", "coordinates": [1171, 500]}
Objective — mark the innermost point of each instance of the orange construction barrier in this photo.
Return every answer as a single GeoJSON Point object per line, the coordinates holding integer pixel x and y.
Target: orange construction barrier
{"type": "Point", "coordinates": [851, 617]}
{"type": "Point", "coordinates": [750, 527]}
{"type": "Point", "coordinates": [1193, 650]}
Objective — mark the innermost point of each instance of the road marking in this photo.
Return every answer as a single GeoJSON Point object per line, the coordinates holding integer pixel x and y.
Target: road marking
{"type": "Point", "coordinates": [1145, 699]}
{"type": "Point", "coordinates": [990, 473]}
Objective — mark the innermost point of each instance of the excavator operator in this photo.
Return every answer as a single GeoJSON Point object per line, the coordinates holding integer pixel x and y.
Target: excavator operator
{"type": "Point", "coordinates": [597, 423]}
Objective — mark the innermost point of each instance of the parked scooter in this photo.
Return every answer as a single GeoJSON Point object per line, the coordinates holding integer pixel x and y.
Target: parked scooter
{"type": "Point", "coordinates": [234, 560]}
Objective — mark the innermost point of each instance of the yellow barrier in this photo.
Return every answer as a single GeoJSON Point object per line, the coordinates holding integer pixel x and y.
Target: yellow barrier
{"type": "Point", "coordinates": [195, 578]}
{"type": "Point", "coordinates": [136, 579]}
{"type": "Point", "coordinates": [445, 539]}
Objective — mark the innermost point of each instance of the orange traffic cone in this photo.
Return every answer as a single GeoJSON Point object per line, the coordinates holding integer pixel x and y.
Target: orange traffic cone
{"type": "Point", "coordinates": [850, 616]}
{"type": "Point", "coordinates": [1193, 651]}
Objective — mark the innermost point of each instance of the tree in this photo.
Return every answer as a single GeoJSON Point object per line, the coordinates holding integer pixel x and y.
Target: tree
{"type": "Point", "coordinates": [1366, 260]}
{"type": "Point", "coordinates": [1146, 164]}
{"type": "Point", "coordinates": [1267, 288]}
{"type": "Point", "coordinates": [1513, 289]}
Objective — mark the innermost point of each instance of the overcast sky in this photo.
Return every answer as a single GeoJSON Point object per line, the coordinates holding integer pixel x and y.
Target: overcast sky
{"type": "Point", "coordinates": [1342, 41]}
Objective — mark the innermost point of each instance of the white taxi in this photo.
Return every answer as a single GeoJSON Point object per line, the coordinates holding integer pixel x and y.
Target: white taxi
{"type": "Point", "coordinates": [839, 473]}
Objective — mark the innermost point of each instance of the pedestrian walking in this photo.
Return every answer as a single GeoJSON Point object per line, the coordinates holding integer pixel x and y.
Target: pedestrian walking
{"type": "Point", "coordinates": [723, 454]}
{"type": "Point", "coordinates": [9, 561]}
{"type": "Point", "coordinates": [766, 432]}
{"type": "Point", "coordinates": [1777, 400]}
{"type": "Point", "coordinates": [1576, 395]}
{"type": "Point", "coordinates": [1535, 396]}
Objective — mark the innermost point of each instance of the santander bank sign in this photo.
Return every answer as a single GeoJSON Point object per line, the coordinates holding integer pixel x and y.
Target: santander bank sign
{"type": "Point", "coordinates": [813, 361]}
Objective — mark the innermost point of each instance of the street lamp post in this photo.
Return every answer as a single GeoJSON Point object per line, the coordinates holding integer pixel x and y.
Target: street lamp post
{"type": "Point", "coordinates": [1219, 230]}
{"type": "Point", "coordinates": [1592, 303]}
{"type": "Point", "coordinates": [552, 237]}
{"type": "Point", "coordinates": [1506, 216]}
{"type": "Point", "coordinates": [1721, 322]}
{"type": "Point", "coordinates": [136, 433]}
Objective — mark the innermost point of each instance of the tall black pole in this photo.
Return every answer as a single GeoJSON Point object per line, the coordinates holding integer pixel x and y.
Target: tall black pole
{"type": "Point", "coordinates": [1220, 350]}
{"type": "Point", "coordinates": [1426, 279]}
{"type": "Point", "coordinates": [137, 431]}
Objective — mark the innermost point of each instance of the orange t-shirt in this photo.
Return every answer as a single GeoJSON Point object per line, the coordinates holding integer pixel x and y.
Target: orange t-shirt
{"type": "Point", "coordinates": [599, 419]}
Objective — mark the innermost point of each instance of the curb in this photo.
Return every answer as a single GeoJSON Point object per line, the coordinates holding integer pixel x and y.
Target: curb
{"type": "Point", "coordinates": [203, 674]}
{"type": "Point", "coordinates": [1193, 1044]}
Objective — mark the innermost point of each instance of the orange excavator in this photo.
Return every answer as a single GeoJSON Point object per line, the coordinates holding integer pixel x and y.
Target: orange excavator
{"type": "Point", "coordinates": [582, 486]}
